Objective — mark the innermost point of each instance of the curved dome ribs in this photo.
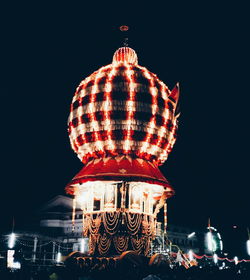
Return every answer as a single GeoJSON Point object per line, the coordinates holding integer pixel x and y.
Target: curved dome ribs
{"type": "Point", "coordinates": [123, 109]}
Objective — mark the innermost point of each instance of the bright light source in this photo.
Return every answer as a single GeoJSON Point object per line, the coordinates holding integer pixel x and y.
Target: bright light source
{"type": "Point", "coordinates": [10, 260]}
{"type": "Point", "coordinates": [12, 239]}
{"type": "Point", "coordinates": [82, 245]}
{"type": "Point", "coordinates": [236, 260]}
{"type": "Point", "coordinates": [58, 257]}
{"type": "Point", "coordinates": [215, 257]}
{"type": "Point", "coordinates": [221, 245]}
{"type": "Point", "coordinates": [191, 235]}
{"type": "Point", "coordinates": [209, 241]}
{"type": "Point", "coordinates": [248, 247]}
{"type": "Point", "coordinates": [190, 255]}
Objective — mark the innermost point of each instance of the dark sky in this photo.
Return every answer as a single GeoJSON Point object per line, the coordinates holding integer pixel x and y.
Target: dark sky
{"type": "Point", "coordinates": [47, 49]}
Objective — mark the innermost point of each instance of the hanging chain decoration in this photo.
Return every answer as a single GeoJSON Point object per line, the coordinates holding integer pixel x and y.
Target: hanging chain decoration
{"type": "Point", "coordinates": [92, 243]}
{"type": "Point", "coordinates": [133, 222]}
{"type": "Point", "coordinates": [121, 243]}
{"type": "Point", "coordinates": [94, 223]}
{"type": "Point", "coordinates": [104, 243]}
{"type": "Point", "coordinates": [137, 244]}
{"type": "Point", "coordinates": [111, 221]}
{"type": "Point", "coordinates": [147, 225]}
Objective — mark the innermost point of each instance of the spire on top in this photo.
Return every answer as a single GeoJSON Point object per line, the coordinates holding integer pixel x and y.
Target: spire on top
{"type": "Point", "coordinates": [125, 54]}
{"type": "Point", "coordinates": [124, 28]}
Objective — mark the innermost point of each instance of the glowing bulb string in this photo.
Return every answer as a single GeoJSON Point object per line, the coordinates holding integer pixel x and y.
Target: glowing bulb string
{"type": "Point", "coordinates": [165, 218]}
{"type": "Point", "coordinates": [221, 259]}
{"type": "Point", "coordinates": [27, 245]}
{"type": "Point", "coordinates": [94, 106]}
{"type": "Point", "coordinates": [121, 243]}
{"type": "Point", "coordinates": [73, 214]}
{"type": "Point", "coordinates": [135, 242]}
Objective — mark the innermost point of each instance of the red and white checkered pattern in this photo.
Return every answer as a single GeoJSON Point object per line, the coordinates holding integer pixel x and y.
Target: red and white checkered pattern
{"type": "Point", "coordinates": [123, 109]}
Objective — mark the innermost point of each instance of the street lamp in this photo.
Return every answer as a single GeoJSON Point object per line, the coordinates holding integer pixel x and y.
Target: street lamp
{"type": "Point", "coordinates": [12, 239]}
{"type": "Point", "coordinates": [210, 241]}
{"type": "Point", "coordinates": [215, 257]}
{"type": "Point", "coordinates": [248, 247]}
{"type": "Point", "coordinates": [82, 245]}
{"type": "Point", "coordinates": [248, 242]}
{"type": "Point", "coordinates": [58, 258]}
{"type": "Point", "coordinates": [190, 255]}
{"type": "Point", "coordinates": [191, 235]}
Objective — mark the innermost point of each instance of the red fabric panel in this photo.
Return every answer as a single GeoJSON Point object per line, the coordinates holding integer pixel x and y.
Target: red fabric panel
{"type": "Point", "coordinates": [124, 169]}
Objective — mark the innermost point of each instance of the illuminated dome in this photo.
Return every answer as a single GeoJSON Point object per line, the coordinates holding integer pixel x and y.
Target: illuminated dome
{"type": "Point", "coordinates": [125, 55]}
{"type": "Point", "coordinates": [123, 109]}
{"type": "Point", "coordinates": [122, 125]}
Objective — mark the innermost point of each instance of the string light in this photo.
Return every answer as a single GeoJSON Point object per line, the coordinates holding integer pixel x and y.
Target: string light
{"type": "Point", "coordinates": [73, 213]}
{"type": "Point", "coordinates": [101, 124]}
{"type": "Point", "coordinates": [121, 110]}
{"type": "Point", "coordinates": [22, 241]}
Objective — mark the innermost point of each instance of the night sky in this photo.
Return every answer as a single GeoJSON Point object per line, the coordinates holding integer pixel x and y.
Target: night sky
{"type": "Point", "coordinates": [47, 49]}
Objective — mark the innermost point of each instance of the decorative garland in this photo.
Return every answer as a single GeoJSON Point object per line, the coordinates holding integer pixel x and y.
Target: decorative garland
{"type": "Point", "coordinates": [133, 222]}
{"type": "Point", "coordinates": [92, 244]}
{"type": "Point", "coordinates": [221, 259]}
{"type": "Point", "coordinates": [121, 243]}
{"type": "Point", "coordinates": [111, 222]}
{"type": "Point", "coordinates": [137, 244]}
{"type": "Point", "coordinates": [118, 228]}
{"type": "Point", "coordinates": [104, 243]}
{"type": "Point", "coordinates": [148, 225]}
{"type": "Point", "coordinates": [95, 223]}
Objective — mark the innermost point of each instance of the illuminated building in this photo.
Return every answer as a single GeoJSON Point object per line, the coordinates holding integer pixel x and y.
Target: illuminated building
{"type": "Point", "coordinates": [122, 125]}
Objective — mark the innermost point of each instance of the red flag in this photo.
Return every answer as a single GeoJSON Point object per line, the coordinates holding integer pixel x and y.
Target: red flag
{"type": "Point", "coordinates": [174, 95]}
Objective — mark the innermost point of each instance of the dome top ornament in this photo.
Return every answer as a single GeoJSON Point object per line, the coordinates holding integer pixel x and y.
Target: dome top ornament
{"type": "Point", "coordinates": [125, 55]}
